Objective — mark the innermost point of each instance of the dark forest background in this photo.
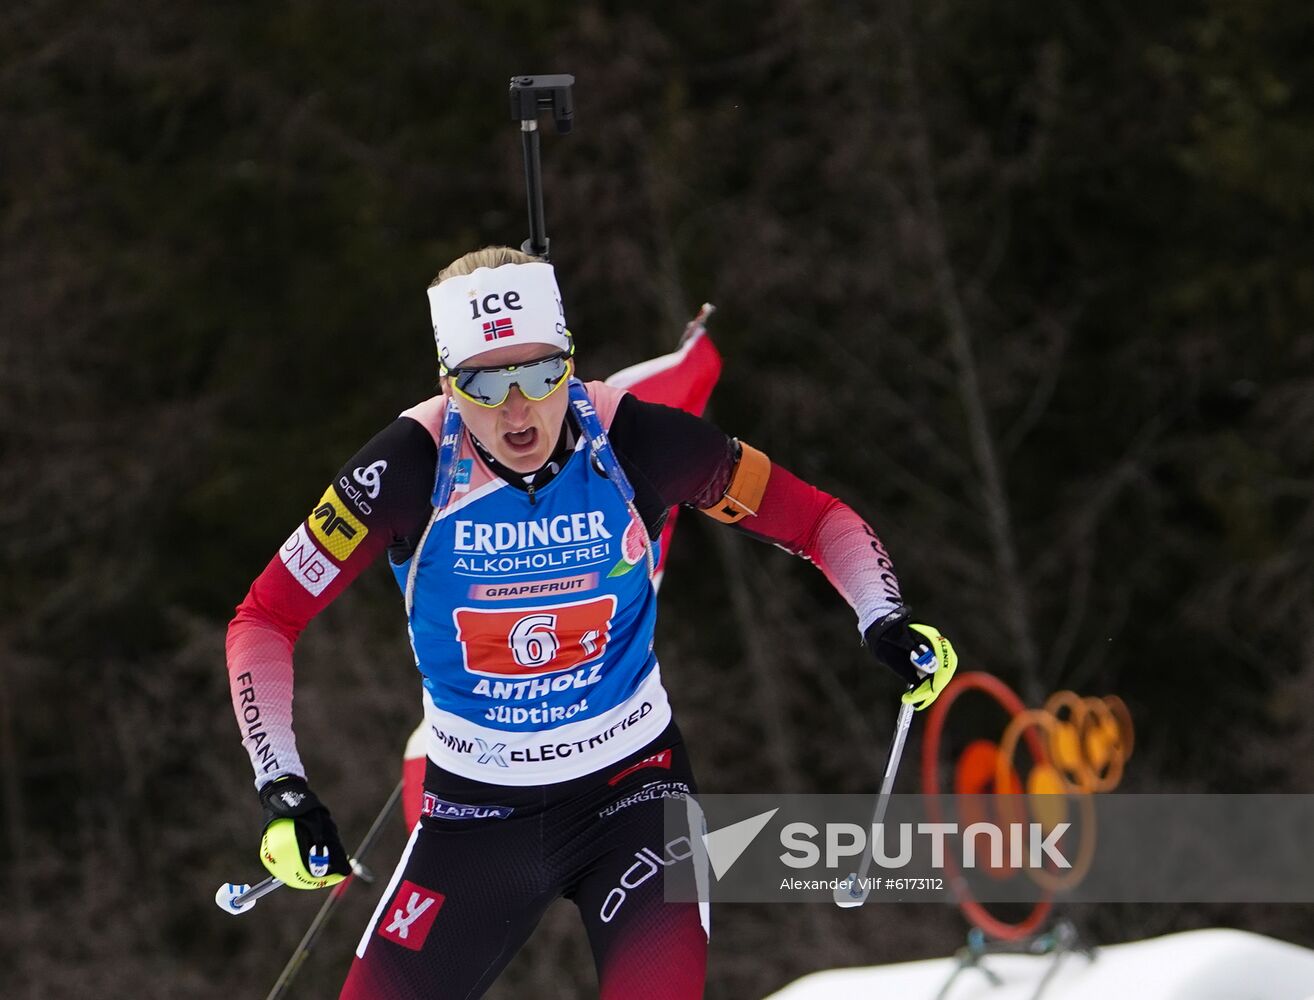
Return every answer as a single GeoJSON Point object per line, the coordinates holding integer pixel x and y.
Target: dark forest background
{"type": "Point", "coordinates": [1028, 283]}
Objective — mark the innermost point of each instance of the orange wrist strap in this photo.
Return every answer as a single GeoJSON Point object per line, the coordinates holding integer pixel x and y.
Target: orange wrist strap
{"type": "Point", "coordinates": [747, 487]}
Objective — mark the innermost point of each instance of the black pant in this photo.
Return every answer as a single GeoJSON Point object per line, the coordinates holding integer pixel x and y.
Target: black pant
{"type": "Point", "coordinates": [486, 861]}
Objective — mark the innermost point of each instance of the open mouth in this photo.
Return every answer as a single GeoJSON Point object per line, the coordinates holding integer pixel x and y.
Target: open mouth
{"type": "Point", "coordinates": [522, 441]}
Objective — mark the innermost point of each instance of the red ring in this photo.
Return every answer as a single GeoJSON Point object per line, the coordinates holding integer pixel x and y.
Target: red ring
{"type": "Point", "coordinates": [1005, 697]}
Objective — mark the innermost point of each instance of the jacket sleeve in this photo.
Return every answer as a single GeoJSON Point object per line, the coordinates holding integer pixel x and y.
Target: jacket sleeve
{"type": "Point", "coordinates": [687, 460]}
{"type": "Point", "coordinates": [379, 499]}
{"type": "Point", "coordinates": [828, 533]}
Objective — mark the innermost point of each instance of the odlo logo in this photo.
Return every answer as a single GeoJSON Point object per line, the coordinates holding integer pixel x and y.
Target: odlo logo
{"type": "Point", "coordinates": [409, 917]}
{"type": "Point", "coordinates": [646, 865]}
{"type": "Point", "coordinates": [371, 477]}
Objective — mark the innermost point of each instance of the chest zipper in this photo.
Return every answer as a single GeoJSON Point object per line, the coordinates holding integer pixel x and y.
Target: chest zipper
{"type": "Point", "coordinates": [532, 501]}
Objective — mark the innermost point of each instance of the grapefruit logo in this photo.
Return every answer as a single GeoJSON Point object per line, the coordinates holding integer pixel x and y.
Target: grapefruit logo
{"type": "Point", "coordinates": [1076, 746]}
{"type": "Point", "coordinates": [633, 546]}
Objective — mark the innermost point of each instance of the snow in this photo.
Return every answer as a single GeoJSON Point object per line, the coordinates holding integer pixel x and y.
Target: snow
{"type": "Point", "coordinates": [1216, 964]}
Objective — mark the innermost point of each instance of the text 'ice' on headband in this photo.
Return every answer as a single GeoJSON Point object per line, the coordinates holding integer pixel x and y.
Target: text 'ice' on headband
{"type": "Point", "coordinates": [497, 307]}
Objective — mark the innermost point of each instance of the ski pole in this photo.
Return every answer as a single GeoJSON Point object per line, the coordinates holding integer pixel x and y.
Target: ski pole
{"type": "Point", "coordinates": [238, 897]}
{"type": "Point", "coordinates": [853, 892]}
{"type": "Point", "coordinates": [302, 951]}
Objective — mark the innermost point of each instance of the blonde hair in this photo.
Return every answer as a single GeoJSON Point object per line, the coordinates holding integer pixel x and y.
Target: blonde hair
{"type": "Point", "coordinates": [487, 257]}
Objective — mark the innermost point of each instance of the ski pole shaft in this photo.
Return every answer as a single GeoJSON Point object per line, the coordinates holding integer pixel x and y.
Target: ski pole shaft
{"type": "Point", "coordinates": [852, 892]}
{"type": "Point", "coordinates": [901, 727]}
{"type": "Point", "coordinates": [238, 897]}
{"type": "Point", "coordinates": [302, 952]}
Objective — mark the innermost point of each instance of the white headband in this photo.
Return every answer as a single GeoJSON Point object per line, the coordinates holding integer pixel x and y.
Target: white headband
{"type": "Point", "coordinates": [497, 307]}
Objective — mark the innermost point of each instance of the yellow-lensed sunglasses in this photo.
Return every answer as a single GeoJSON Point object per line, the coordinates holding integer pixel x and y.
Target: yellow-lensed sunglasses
{"type": "Point", "coordinates": [489, 386]}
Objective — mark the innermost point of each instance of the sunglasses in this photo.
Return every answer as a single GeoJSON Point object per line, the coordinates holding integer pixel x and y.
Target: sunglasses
{"type": "Point", "coordinates": [537, 379]}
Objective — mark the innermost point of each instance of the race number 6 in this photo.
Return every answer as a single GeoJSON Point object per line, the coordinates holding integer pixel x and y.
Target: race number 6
{"type": "Point", "coordinates": [542, 640]}
{"type": "Point", "coordinates": [533, 642]}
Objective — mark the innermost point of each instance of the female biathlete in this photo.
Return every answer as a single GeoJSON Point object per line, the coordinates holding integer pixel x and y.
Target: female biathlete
{"type": "Point", "coordinates": [519, 510]}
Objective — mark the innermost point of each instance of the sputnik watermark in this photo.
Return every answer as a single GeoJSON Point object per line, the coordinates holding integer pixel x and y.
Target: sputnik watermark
{"type": "Point", "coordinates": [849, 840]}
{"type": "Point", "coordinates": [1004, 848]}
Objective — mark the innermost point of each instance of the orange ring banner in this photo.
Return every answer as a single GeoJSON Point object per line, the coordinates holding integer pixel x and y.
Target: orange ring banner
{"type": "Point", "coordinates": [1077, 745]}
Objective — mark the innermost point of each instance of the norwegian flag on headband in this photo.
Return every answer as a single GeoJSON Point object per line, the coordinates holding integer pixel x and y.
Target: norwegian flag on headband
{"type": "Point", "coordinates": [497, 328]}
{"type": "Point", "coordinates": [491, 306]}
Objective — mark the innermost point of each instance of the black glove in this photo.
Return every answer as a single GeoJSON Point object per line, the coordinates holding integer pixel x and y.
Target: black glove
{"type": "Point", "coordinates": [904, 647]}
{"type": "Point", "coordinates": [300, 847]}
